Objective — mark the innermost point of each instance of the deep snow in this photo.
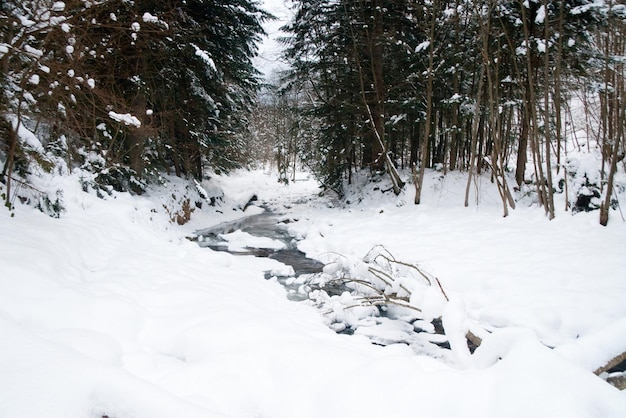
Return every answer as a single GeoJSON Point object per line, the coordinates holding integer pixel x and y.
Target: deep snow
{"type": "Point", "coordinates": [112, 310]}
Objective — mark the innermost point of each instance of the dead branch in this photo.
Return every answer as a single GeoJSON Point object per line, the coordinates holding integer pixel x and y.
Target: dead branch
{"type": "Point", "coordinates": [611, 363]}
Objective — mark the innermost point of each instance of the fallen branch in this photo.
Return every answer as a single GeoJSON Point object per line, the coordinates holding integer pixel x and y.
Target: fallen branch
{"type": "Point", "coordinates": [611, 364]}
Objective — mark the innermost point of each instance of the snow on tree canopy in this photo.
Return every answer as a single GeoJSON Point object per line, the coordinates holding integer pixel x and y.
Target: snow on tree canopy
{"type": "Point", "coordinates": [205, 57]}
{"type": "Point", "coordinates": [149, 18]}
{"type": "Point", "coordinates": [422, 46]}
{"type": "Point", "coordinates": [541, 15]}
{"type": "Point", "coordinates": [126, 118]}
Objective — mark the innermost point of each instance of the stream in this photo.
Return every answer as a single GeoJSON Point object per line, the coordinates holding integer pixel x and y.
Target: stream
{"type": "Point", "coordinates": [268, 227]}
{"type": "Point", "coordinates": [264, 225]}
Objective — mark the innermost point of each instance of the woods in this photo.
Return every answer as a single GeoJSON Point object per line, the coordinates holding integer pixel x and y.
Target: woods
{"type": "Point", "coordinates": [132, 87]}
{"type": "Point", "coordinates": [393, 87]}
{"type": "Point", "coordinates": [480, 86]}
{"type": "Point", "coordinates": [418, 216]}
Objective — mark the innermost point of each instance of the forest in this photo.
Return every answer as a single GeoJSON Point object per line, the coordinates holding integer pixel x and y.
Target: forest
{"type": "Point", "coordinates": [419, 214]}
{"type": "Point", "coordinates": [132, 89]}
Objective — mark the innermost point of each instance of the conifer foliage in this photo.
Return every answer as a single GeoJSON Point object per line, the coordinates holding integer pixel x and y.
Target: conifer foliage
{"type": "Point", "coordinates": [128, 86]}
{"type": "Point", "coordinates": [479, 86]}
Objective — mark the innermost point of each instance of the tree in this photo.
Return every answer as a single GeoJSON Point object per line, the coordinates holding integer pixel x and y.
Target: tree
{"type": "Point", "coordinates": [613, 98]}
{"type": "Point", "coordinates": [349, 54]}
{"type": "Point", "coordinates": [144, 85]}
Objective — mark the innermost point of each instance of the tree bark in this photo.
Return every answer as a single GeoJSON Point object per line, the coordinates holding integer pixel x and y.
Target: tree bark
{"type": "Point", "coordinates": [429, 107]}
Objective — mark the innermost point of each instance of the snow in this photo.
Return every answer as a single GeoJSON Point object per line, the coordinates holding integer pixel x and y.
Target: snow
{"type": "Point", "coordinates": [28, 140]}
{"type": "Point", "coordinates": [239, 241]}
{"type": "Point", "coordinates": [541, 45]}
{"type": "Point", "coordinates": [205, 57]}
{"type": "Point", "coordinates": [111, 310]}
{"type": "Point", "coordinates": [422, 47]}
{"type": "Point", "coordinates": [541, 15]}
{"type": "Point", "coordinates": [149, 18]}
{"type": "Point", "coordinates": [58, 6]}
{"type": "Point", "coordinates": [38, 53]}
{"type": "Point", "coordinates": [126, 118]}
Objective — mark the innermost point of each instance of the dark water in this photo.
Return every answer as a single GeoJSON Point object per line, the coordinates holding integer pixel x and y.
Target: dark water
{"type": "Point", "coordinates": [271, 225]}
{"type": "Point", "coordinates": [267, 225]}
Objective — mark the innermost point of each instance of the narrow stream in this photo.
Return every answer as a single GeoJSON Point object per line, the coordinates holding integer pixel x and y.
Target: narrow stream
{"type": "Point", "coordinates": [269, 225]}
{"type": "Point", "coordinates": [264, 225]}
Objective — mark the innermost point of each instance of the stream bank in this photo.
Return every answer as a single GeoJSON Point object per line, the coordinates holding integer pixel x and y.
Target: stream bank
{"type": "Point", "coordinates": [266, 235]}
{"type": "Point", "coordinates": [277, 245]}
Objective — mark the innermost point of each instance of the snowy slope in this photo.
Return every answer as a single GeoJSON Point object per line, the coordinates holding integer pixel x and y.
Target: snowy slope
{"type": "Point", "coordinates": [110, 310]}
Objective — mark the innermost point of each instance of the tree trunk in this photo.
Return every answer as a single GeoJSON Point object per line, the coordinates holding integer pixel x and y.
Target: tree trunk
{"type": "Point", "coordinates": [429, 107]}
{"type": "Point", "coordinates": [474, 140]}
{"type": "Point", "coordinates": [549, 192]}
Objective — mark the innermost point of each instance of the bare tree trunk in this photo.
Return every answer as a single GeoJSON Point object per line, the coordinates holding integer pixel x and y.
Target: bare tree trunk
{"type": "Point", "coordinates": [549, 190]}
{"type": "Point", "coordinates": [531, 101]}
{"type": "Point", "coordinates": [604, 206]}
{"type": "Point", "coordinates": [615, 109]}
{"type": "Point", "coordinates": [474, 140]}
{"type": "Point", "coordinates": [10, 163]}
{"type": "Point", "coordinates": [429, 107]}
{"type": "Point", "coordinates": [522, 149]}
{"type": "Point", "coordinates": [557, 87]}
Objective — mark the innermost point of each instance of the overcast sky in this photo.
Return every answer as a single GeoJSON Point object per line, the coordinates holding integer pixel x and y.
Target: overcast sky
{"type": "Point", "coordinates": [268, 60]}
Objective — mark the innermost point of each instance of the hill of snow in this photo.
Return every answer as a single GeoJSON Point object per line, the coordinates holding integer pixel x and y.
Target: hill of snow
{"type": "Point", "coordinates": [112, 311]}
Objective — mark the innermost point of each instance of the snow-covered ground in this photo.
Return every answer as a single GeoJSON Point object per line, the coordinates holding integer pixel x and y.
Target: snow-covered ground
{"type": "Point", "coordinates": [112, 311]}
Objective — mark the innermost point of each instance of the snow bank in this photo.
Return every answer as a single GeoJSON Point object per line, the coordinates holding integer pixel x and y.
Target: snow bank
{"type": "Point", "coordinates": [111, 310]}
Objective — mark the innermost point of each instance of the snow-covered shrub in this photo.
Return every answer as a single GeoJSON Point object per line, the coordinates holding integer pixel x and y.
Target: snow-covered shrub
{"type": "Point", "coordinates": [121, 179]}
{"type": "Point", "coordinates": [351, 289]}
{"type": "Point", "coordinates": [586, 181]}
{"type": "Point", "coordinates": [31, 161]}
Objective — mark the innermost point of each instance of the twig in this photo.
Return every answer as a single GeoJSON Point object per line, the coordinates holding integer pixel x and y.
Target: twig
{"type": "Point", "coordinates": [441, 288]}
{"type": "Point", "coordinates": [392, 259]}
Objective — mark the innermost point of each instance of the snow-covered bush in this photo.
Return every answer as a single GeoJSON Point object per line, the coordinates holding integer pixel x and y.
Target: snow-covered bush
{"type": "Point", "coordinates": [350, 290]}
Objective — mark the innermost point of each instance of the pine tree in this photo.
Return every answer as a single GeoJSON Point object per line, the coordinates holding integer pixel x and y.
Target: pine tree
{"type": "Point", "coordinates": [143, 85]}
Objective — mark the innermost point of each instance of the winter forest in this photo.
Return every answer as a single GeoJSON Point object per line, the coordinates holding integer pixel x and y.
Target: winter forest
{"type": "Point", "coordinates": [416, 211]}
{"type": "Point", "coordinates": [130, 89]}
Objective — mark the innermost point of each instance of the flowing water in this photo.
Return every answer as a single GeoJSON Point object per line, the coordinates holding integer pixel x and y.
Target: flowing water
{"type": "Point", "coordinates": [269, 225]}
{"type": "Point", "coordinates": [265, 225]}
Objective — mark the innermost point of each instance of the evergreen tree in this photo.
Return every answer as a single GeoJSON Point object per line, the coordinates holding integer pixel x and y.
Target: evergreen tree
{"type": "Point", "coordinates": [350, 56]}
{"type": "Point", "coordinates": [143, 85]}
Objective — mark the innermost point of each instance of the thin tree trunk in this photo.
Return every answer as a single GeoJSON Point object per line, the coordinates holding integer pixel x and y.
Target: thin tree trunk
{"type": "Point", "coordinates": [549, 191]}
{"type": "Point", "coordinates": [378, 130]}
{"type": "Point", "coordinates": [557, 87]}
{"type": "Point", "coordinates": [530, 103]}
{"type": "Point", "coordinates": [474, 140]}
{"type": "Point", "coordinates": [616, 113]}
{"type": "Point", "coordinates": [429, 106]}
